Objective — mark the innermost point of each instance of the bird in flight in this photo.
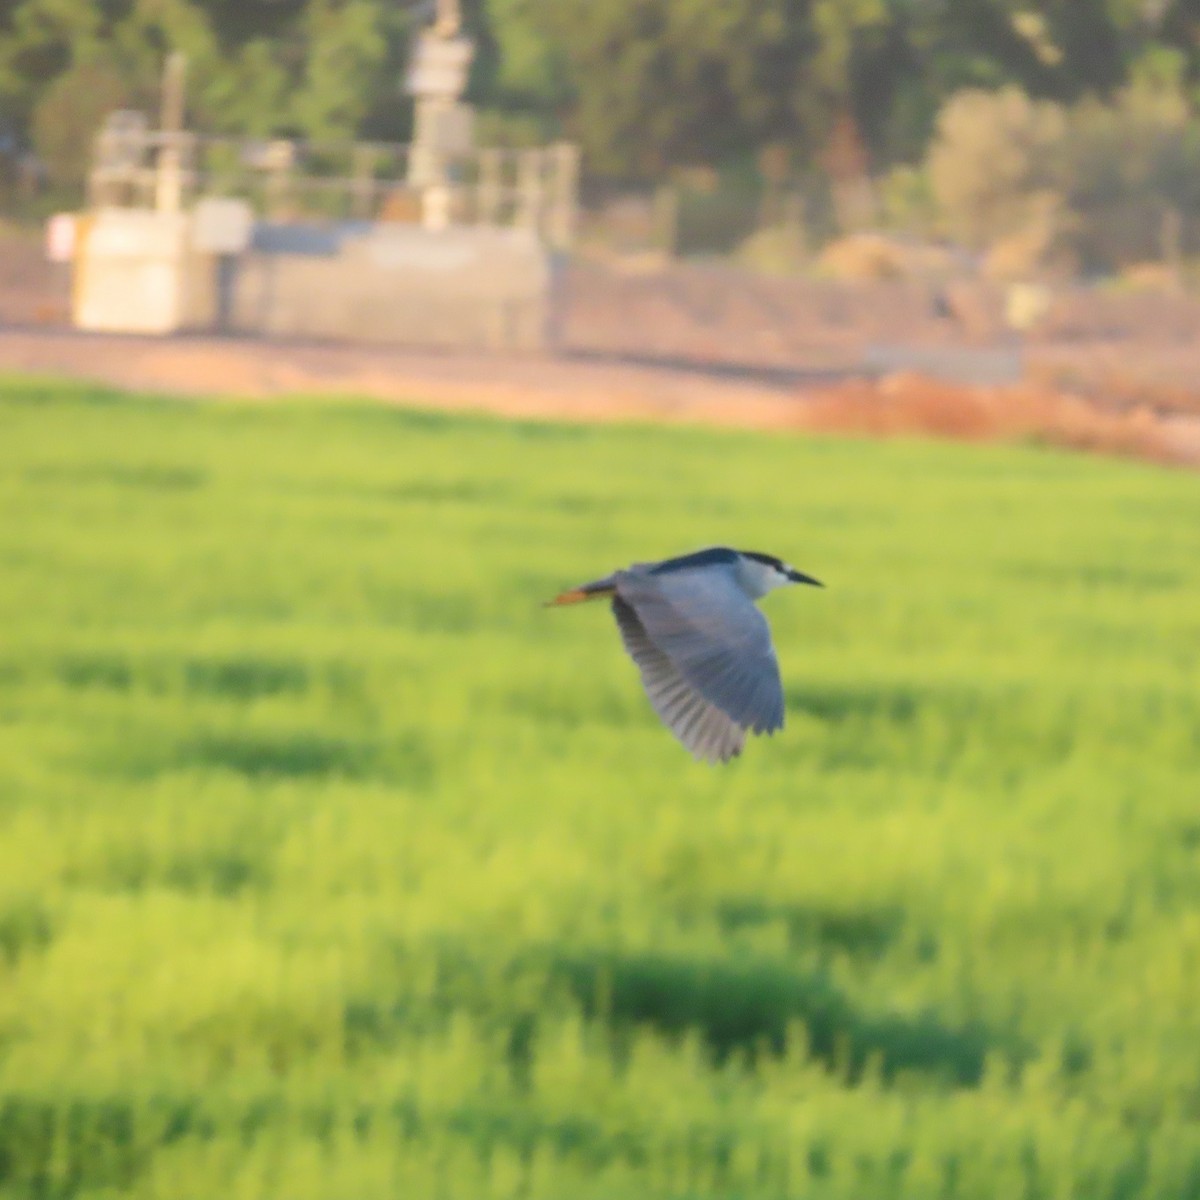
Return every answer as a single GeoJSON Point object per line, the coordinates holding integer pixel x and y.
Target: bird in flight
{"type": "Point", "coordinates": [703, 649]}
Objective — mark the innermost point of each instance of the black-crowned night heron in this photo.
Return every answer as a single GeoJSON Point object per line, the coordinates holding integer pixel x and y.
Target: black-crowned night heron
{"type": "Point", "coordinates": [703, 649]}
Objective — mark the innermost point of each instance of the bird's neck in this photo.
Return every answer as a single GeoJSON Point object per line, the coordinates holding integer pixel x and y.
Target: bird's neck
{"type": "Point", "coordinates": [758, 578]}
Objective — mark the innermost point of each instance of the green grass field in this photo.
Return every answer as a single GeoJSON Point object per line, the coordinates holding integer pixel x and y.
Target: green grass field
{"type": "Point", "coordinates": [333, 866]}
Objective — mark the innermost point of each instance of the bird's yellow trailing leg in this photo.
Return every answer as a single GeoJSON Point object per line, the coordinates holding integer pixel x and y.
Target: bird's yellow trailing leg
{"type": "Point", "coordinates": [579, 595]}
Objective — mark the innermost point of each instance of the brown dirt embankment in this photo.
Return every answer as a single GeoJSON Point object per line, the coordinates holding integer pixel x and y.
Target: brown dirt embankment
{"type": "Point", "coordinates": [1159, 425]}
{"type": "Point", "coordinates": [910, 404]}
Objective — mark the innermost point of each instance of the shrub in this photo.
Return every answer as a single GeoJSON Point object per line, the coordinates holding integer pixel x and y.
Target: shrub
{"type": "Point", "coordinates": [992, 154]}
{"type": "Point", "coordinates": [1131, 175]}
{"type": "Point", "coordinates": [1100, 185]}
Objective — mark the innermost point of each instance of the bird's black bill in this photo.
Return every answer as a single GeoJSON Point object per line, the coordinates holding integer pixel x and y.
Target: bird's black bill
{"type": "Point", "coordinates": [800, 577]}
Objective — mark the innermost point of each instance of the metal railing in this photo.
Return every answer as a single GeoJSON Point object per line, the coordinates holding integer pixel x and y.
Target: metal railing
{"type": "Point", "coordinates": [286, 179]}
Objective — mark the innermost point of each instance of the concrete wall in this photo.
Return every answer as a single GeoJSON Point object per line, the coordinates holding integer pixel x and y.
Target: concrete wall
{"type": "Point", "coordinates": [138, 271]}
{"type": "Point", "coordinates": [470, 286]}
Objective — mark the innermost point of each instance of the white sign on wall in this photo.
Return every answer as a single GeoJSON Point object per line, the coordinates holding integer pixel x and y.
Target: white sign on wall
{"type": "Point", "coordinates": [60, 237]}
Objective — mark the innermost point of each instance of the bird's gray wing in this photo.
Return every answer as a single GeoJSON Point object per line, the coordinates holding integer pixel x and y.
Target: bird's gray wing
{"type": "Point", "coordinates": [703, 729]}
{"type": "Point", "coordinates": [715, 638]}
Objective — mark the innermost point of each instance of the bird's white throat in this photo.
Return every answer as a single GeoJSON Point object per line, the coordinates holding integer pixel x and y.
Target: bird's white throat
{"type": "Point", "coordinates": [759, 578]}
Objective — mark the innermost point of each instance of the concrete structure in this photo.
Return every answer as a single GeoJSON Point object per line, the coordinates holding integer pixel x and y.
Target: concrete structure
{"type": "Point", "coordinates": [130, 271]}
{"type": "Point", "coordinates": [982, 365]}
{"type": "Point", "coordinates": [443, 127]}
{"type": "Point", "coordinates": [437, 243]}
{"type": "Point", "coordinates": [476, 286]}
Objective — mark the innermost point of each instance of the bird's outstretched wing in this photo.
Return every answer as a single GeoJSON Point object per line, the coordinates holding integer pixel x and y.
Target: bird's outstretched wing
{"type": "Point", "coordinates": [703, 728]}
{"type": "Point", "coordinates": [714, 637]}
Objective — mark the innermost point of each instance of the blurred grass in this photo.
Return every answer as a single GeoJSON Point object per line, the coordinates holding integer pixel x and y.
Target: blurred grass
{"type": "Point", "coordinates": [332, 865]}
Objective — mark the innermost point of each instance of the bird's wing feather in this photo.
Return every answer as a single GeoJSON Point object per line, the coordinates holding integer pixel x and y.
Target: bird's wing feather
{"type": "Point", "coordinates": [714, 637]}
{"type": "Point", "coordinates": [704, 729]}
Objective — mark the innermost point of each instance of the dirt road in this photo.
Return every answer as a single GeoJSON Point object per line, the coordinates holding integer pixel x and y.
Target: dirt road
{"type": "Point", "coordinates": [570, 388]}
{"type": "Point", "coordinates": [594, 389]}
{"type": "Point", "coordinates": [701, 344]}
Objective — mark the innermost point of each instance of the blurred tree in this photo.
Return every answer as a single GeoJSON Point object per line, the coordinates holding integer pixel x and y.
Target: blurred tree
{"type": "Point", "coordinates": [388, 115]}
{"type": "Point", "coordinates": [308, 67]}
{"type": "Point", "coordinates": [344, 49]}
{"type": "Point", "coordinates": [646, 85]}
{"type": "Point", "coordinates": [1059, 50]}
{"type": "Point", "coordinates": [38, 41]}
{"type": "Point", "coordinates": [992, 158]}
{"type": "Point", "coordinates": [663, 82]}
{"type": "Point", "coordinates": [69, 114]}
{"type": "Point", "coordinates": [520, 66]}
{"type": "Point", "coordinates": [1130, 173]}
{"type": "Point", "coordinates": [654, 83]}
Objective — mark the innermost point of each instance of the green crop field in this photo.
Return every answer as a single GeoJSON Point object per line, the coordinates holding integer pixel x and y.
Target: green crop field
{"type": "Point", "coordinates": [333, 866]}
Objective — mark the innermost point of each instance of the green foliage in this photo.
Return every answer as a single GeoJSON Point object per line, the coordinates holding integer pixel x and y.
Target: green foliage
{"type": "Point", "coordinates": [314, 69]}
{"type": "Point", "coordinates": [346, 46]}
{"type": "Point", "coordinates": [69, 116]}
{"type": "Point", "coordinates": [658, 83]}
{"type": "Point", "coordinates": [645, 85]}
{"type": "Point", "coordinates": [331, 864]}
{"type": "Point", "coordinates": [524, 68]}
{"type": "Point", "coordinates": [906, 200]}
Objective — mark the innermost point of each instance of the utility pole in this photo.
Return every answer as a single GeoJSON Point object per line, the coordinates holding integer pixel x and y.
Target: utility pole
{"type": "Point", "coordinates": [442, 124]}
{"type": "Point", "coordinates": [449, 18]}
{"type": "Point", "coordinates": [169, 182]}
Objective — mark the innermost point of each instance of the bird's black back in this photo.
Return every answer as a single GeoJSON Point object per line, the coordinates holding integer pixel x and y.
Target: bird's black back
{"type": "Point", "coordinates": [711, 557]}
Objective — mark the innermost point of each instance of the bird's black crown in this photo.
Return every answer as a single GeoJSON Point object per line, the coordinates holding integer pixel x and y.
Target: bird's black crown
{"type": "Point", "coordinates": [768, 559]}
